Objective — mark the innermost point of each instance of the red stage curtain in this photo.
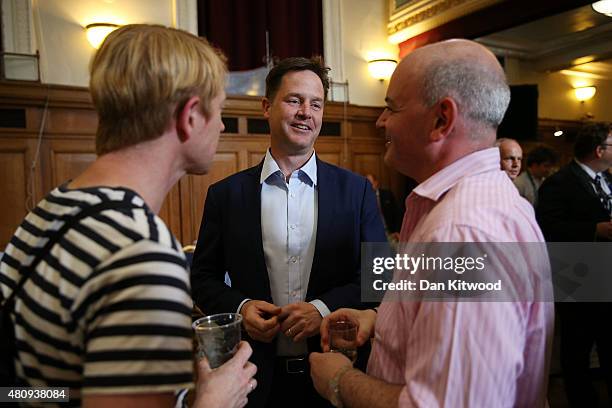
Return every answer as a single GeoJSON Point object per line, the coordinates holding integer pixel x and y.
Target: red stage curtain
{"type": "Point", "coordinates": [238, 27]}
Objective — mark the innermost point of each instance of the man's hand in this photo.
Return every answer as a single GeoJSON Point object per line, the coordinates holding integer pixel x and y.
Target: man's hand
{"type": "Point", "coordinates": [323, 367]}
{"type": "Point", "coordinates": [604, 230]}
{"type": "Point", "coordinates": [364, 319]}
{"type": "Point", "coordinates": [228, 385]}
{"type": "Point", "coordinates": [260, 320]}
{"type": "Point", "coordinates": [300, 320]}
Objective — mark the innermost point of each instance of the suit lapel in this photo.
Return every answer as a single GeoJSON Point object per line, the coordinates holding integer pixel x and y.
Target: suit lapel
{"type": "Point", "coordinates": [585, 180]}
{"type": "Point", "coordinates": [326, 188]}
{"type": "Point", "coordinates": [251, 194]}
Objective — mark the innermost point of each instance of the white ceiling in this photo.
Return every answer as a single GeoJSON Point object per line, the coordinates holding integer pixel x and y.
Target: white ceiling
{"type": "Point", "coordinates": [579, 39]}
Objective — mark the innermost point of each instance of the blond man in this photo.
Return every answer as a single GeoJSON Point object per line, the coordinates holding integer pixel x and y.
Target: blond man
{"type": "Point", "coordinates": [107, 310]}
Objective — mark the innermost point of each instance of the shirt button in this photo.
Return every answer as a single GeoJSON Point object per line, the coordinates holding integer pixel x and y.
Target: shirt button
{"type": "Point", "coordinates": [294, 293]}
{"type": "Point", "coordinates": [292, 195]}
{"type": "Point", "coordinates": [292, 226]}
{"type": "Point", "coordinates": [293, 259]}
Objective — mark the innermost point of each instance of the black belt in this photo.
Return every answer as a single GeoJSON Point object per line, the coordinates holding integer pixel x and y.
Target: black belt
{"type": "Point", "coordinates": [292, 365]}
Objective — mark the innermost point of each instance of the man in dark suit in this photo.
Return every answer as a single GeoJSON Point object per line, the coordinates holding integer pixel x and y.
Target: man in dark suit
{"type": "Point", "coordinates": [288, 233]}
{"type": "Point", "coordinates": [392, 213]}
{"type": "Point", "coordinates": [575, 206]}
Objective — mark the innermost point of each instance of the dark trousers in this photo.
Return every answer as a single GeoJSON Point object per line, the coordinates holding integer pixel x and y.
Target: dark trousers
{"type": "Point", "coordinates": [294, 389]}
{"type": "Point", "coordinates": [582, 326]}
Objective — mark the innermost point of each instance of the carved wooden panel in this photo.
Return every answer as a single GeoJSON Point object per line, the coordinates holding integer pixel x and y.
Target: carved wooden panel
{"type": "Point", "coordinates": [13, 178]}
{"type": "Point", "coordinates": [194, 189]}
{"type": "Point", "coordinates": [170, 211]}
{"type": "Point", "coordinates": [364, 163]}
{"type": "Point", "coordinates": [69, 158]}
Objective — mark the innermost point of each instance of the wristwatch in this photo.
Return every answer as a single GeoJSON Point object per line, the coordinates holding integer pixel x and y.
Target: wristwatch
{"type": "Point", "coordinates": [334, 385]}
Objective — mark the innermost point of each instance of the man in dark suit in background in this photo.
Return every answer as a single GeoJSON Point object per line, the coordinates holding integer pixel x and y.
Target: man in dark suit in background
{"type": "Point", "coordinates": [575, 206]}
{"type": "Point", "coordinates": [392, 213]}
{"type": "Point", "coordinates": [288, 232]}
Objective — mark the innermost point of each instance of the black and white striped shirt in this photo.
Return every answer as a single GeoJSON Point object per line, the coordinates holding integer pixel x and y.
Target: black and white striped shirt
{"type": "Point", "coordinates": [108, 309]}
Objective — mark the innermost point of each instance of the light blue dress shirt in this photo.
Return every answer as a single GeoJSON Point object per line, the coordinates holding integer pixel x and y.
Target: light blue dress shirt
{"type": "Point", "coordinates": [289, 228]}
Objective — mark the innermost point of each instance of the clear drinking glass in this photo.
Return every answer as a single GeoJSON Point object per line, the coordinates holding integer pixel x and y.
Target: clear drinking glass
{"type": "Point", "coordinates": [218, 337]}
{"type": "Point", "coordinates": [343, 338]}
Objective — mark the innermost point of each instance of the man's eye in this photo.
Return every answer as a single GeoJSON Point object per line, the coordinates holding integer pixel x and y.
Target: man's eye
{"type": "Point", "coordinates": [316, 106]}
{"type": "Point", "coordinates": [293, 101]}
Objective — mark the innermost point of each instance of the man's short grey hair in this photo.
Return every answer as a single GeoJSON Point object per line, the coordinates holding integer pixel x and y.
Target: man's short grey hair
{"type": "Point", "coordinates": [498, 142]}
{"type": "Point", "coordinates": [481, 93]}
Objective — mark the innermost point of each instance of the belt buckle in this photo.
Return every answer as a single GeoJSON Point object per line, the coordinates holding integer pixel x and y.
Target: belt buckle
{"type": "Point", "coordinates": [295, 365]}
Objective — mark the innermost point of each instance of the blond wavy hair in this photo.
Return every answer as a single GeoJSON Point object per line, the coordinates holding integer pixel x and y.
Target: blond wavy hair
{"type": "Point", "coordinates": [142, 75]}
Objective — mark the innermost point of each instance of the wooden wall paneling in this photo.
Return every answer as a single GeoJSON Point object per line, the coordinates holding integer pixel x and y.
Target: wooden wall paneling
{"type": "Point", "coordinates": [16, 157]}
{"type": "Point", "coordinates": [193, 190]}
{"type": "Point", "coordinates": [364, 163]}
{"type": "Point", "coordinates": [67, 159]}
{"type": "Point", "coordinates": [67, 148]}
{"type": "Point", "coordinates": [255, 156]}
{"type": "Point", "coordinates": [80, 123]}
{"type": "Point", "coordinates": [330, 149]}
{"type": "Point", "coordinates": [170, 212]}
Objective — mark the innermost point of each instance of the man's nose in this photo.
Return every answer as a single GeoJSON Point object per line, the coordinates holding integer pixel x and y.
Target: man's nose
{"type": "Point", "coordinates": [380, 122]}
{"type": "Point", "coordinates": [304, 110]}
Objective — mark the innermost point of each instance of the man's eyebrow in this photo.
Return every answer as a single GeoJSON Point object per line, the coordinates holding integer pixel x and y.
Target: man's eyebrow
{"type": "Point", "coordinates": [302, 96]}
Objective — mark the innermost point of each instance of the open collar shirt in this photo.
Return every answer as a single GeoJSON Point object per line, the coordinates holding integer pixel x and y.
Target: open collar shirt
{"type": "Point", "coordinates": [289, 212]}
{"type": "Point", "coordinates": [466, 354]}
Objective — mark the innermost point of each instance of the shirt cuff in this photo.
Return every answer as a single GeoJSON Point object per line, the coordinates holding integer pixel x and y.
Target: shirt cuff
{"type": "Point", "coordinates": [242, 304]}
{"type": "Point", "coordinates": [321, 307]}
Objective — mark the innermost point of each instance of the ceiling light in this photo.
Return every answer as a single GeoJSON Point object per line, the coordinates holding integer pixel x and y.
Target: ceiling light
{"type": "Point", "coordinates": [382, 68]}
{"type": "Point", "coordinates": [97, 32]}
{"type": "Point", "coordinates": [603, 7]}
{"type": "Point", "coordinates": [584, 93]}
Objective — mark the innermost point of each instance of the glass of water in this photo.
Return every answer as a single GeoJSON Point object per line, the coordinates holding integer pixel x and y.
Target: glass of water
{"type": "Point", "coordinates": [343, 338]}
{"type": "Point", "coordinates": [218, 337]}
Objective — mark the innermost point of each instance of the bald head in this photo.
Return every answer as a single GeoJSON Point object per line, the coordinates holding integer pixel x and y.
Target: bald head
{"type": "Point", "coordinates": [511, 156]}
{"type": "Point", "coordinates": [444, 101]}
{"type": "Point", "coordinates": [465, 71]}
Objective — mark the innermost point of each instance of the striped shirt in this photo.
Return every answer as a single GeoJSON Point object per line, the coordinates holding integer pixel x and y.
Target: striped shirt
{"type": "Point", "coordinates": [466, 354]}
{"type": "Point", "coordinates": [108, 309]}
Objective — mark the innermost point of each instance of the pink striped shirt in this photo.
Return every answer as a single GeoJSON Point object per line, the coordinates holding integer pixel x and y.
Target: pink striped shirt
{"type": "Point", "coordinates": [466, 354]}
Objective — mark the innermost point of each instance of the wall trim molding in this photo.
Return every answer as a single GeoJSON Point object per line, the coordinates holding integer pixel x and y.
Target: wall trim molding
{"type": "Point", "coordinates": [421, 16]}
{"type": "Point", "coordinates": [332, 38]}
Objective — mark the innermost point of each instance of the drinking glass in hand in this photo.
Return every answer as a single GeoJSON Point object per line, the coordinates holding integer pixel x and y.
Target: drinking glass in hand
{"type": "Point", "coordinates": [343, 338]}
{"type": "Point", "coordinates": [218, 337]}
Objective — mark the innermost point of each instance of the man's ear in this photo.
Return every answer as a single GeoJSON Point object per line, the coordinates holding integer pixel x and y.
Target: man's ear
{"type": "Point", "coordinates": [265, 105]}
{"type": "Point", "coordinates": [445, 118]}
{"type": "Point", "coordinates": [599, 151]}
{"type": "Point", "coordinates": [185, 118]}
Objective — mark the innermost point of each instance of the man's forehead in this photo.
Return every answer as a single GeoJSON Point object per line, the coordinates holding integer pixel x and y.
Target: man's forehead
{"type": "Point", "coordinates": [302, 83]}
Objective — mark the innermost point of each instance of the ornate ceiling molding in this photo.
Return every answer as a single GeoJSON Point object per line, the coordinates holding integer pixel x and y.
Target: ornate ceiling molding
{"type": "Point", "coordinates": [418, 16]}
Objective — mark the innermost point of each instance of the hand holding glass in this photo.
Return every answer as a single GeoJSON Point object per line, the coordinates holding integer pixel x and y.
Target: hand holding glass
{"type": "Point", "coordinates": [343, 338]}
{"type": "Point", "coordinates": [218, 337]}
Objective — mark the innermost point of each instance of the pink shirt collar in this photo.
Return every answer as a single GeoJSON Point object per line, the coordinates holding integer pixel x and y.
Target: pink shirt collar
{"type": "Point", "coordinates": [481, 161]}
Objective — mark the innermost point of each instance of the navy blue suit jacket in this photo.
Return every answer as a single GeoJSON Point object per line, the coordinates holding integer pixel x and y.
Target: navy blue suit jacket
{"type": "Point", "coordinates": [230, 241]}
{"type": "Point", "coordinates": [568, 207]}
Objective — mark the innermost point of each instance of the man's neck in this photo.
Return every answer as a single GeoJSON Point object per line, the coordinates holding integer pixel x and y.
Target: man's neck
{"type": "Point", "coordinates": [290, 163]}
{"type": "Point", "coordinates": [145, 170]}
{"type": "Point", "coordinates": [533, 176]}
{"type": "Point", "coordinates": [593, 164]}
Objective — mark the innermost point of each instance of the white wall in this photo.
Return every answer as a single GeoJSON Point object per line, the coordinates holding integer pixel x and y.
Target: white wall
{"type": "Point", "coordinates": [556, 96]}
{"type": "Point", "coordinates": [61, 39]}
{"type": "Point", "coordinates": [364, 35]}
{"type": "Point", "coordinates": [65, 52]}
{"type": "Point", "coordinates": [355, 31]}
